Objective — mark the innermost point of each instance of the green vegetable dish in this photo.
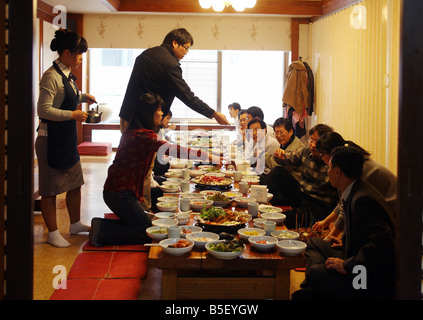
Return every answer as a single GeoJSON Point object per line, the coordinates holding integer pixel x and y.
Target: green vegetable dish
{"type": "Point", "coordinates": [226, 246]}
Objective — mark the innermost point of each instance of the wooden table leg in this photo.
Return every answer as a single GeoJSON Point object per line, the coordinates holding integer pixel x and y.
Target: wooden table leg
{"type": "Point", "coordinates": [282, 284]}
{"type": "Point", "coordinates": [169, 284]}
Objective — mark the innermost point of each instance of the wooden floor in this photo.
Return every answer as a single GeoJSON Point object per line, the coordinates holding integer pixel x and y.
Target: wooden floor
{"type": "Point", "coordinates": [46, 257]}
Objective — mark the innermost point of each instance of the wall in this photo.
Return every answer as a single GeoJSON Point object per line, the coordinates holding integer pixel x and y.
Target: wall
{"type": "Point", "coordinates": [354, 56]}
{"type": "Point", "coordinates": [210, 32]}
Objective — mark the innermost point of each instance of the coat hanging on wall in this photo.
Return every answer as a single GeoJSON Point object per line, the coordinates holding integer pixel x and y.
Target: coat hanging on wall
{"type": "Point", "coordinates": [298, 97]}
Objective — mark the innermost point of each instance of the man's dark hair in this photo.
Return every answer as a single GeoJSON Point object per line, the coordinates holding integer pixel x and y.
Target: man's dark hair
{"type": "Point", "coordinates": [285, 122]}
{"type": "Point", "coordinates": [255, 120]}
{"type": "Point", "coordinates": [181, 36]}
{"type": "Point", "coordinates": [235, 105]}
{"type": "Point", "coordinates": [349, 159]}
{"type": "Point", "coordinates": [256, 112]}
{"type": "Point", "coordinates": [321, 129]}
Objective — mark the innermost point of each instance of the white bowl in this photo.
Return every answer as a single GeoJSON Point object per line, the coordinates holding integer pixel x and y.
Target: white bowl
{"type": "Point", "coordinates": [232, 194]}
{"type": "Point", "coordinates": [244, 201]}
{"type": "Point", "coordinates": [274, 216]}
{"type": "Point", "coordinates": [291, 247]}
{"type": "Point", "coordinates": [201, 238]}
{"type": "Point", "coordinates": [251, 180]}
{"type": "Point", "coordinates": [209, 192]}
{"type": "Point", "coordinates": [173, 180]}
{"type": "Point", "coordinates": [186, 230]}
{"type": "Point", "coordinates": [246, 233]}
{"type": "Point", "coordinates": [182, 218]}
{"type": "Point", "coordinates": [156, 236]}
{"type": "Point", "coordinates": [269, 196]}
{"type": "Point", "coordinates": [285, 235]}
{"type": "Point", "coordinates": [215, 174]}
{"type": "Point", "coordinates": [168, 199]}
{"type": "Point", "coordinates": [178, 164]}
{"type": "Point", "coordinates": [228, 173]}
{"type": "Point", "coordinates": [196, 173]}
{"type": "Point", "coordinates": [165, 215]}
{"type": "Point", "coordinates": [164, 222]}
{"type": "Point", "coordinates": [269, 242]}
{"type": "Point", "coordinates": [197, 204]}
{"type": "Point", "coordinates": [175, 251]}
{"type": "Point", "coordinates": [168, 188]}
{"type": "Point", "coordinates": [167, 206]}
{"type": "Point", "coordinates": [192, 195]}
{"type": "Point", "coordinates": [259, 222]}
{"type": "Point", "coordinates": [223, 255]}
{"type": "Point", "coordinates": [173, 174]}
{"type": "Point", "coordinates": [219, 203]}
{"type": "Point", "coordinates": [171, 183]}
{"type": "Point", "coordinates": [264, 208]}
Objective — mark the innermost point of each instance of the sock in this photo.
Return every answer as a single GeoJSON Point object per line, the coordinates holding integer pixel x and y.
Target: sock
{"type": "Point", "coordinates": [78, 227]}
{"type": "Point", "coordinates": [56, 239]}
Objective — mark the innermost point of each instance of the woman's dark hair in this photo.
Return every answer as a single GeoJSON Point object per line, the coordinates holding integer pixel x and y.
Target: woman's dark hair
{"type": "Point", "coordinates": [330, 140]}
{"type": "Point", "coordinates": [285, 122]}
{"type": "Point", "coordinates": [68, 40]}
{"type": "Point", "coordinates": [142, 117]}
{"type": "Point", "coordinates": [255, 120]}
{"type": "Point", "coordinates": [181, 36]}
{"type": "Point", "coordinates": [349, 159]}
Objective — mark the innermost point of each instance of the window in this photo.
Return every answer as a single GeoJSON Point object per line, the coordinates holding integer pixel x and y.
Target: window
{"type": "Point", "coordinates": [251, 78]}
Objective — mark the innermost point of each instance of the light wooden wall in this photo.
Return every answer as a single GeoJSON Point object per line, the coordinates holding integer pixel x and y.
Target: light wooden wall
{"type": "Point", "coordinates": [355, 61]}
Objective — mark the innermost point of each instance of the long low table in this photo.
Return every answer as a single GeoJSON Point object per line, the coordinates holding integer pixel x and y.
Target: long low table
{"type": "Point", "coordinates": [199, 275]}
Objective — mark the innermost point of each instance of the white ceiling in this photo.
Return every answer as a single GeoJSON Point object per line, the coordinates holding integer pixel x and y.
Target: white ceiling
{"type": "Point", "coordinates": [81, 6]}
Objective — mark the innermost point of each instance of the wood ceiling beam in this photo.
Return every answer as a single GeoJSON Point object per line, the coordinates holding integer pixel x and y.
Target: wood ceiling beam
{"type": "Point", "coordinates": [278, 7]}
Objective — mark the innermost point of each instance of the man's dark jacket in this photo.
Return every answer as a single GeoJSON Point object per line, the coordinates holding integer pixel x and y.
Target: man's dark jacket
{"type": "Point", "coordinates": [158, 70]}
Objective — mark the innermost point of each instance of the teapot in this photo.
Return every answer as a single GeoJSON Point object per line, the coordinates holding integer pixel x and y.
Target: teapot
{"type": "Point", "coordinates": [93, 116]}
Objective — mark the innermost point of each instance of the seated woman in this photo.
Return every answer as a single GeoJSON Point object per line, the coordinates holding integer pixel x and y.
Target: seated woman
{"type": "Point", "coordinates": [374, 173]}
{"type": "Point", "coordinates": [127, 187]}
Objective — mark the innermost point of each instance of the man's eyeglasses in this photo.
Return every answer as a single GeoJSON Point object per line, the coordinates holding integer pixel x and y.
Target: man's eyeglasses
{"type": "Point", "coordinates": [186, 49]}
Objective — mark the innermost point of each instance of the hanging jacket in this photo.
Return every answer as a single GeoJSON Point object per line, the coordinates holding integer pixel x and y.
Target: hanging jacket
{"type": "Point", "coordinates": [296, 93]}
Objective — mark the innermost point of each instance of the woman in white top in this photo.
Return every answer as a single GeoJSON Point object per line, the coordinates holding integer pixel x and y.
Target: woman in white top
{"type": "Point", "coordinates": [56, 144]}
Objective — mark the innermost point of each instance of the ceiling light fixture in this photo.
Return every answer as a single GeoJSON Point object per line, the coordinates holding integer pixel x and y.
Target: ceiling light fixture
{"type": "Point", "coordinates": [219, 5]}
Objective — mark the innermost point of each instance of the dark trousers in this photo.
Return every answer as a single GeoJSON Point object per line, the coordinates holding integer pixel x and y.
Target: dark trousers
{"type": "Point", "coordinates": [130, 229]}
{"type": "Point", "coordinates": [286, 191]}
{"type": "Point", "coordinates": [326, 284]}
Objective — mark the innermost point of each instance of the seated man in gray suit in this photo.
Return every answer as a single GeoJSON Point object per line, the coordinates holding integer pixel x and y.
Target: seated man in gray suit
{"type": "Point", "coordinates": [361, 265]}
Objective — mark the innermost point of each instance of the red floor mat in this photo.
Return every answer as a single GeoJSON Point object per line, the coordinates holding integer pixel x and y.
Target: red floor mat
{"type": "Point", "coordinates": [109, 264]}
{"type": "Point", "coordinates": [89, 247]}
{"type": "Point", "coordinates": [98, 289]}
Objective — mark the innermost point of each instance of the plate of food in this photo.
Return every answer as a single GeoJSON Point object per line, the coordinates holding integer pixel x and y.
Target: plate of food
{"type": "Point", "coordinates": [219, 199]}
{"type": "Point", "coordinates": [217, 219]}
{"type": "Point", "coordinates": [208, 180]}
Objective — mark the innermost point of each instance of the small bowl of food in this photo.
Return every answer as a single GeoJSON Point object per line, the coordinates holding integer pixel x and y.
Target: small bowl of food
{"type": "Point", "coordinates": [225, 249]}
{"type": "Point", "coordinates": [185, 230]}
{"type": "Point", "coordinates": [196, 173]}
{"type": "Point", "coordinates": [171, 183]}
{"type": "Point", "coordinates": [164, 222]}
{"type": "Point", "coordinates": [201, 238]}
{"type": "Point", "coordinates": [274, 216]}
{"type": "Point", "coordinates": [209, 192]}
{"type": "Point", "coordinates": [243, 201]}
{"type": "Point", "coordinates": [176, 246]}
{"type": "Point", "coordinates": [264, 208]}
{"type": "Point", "coordinates": [232, 194]}
{"type": "Point", "coordinates": [182, 218]}
{"type": "Point", "coordinates": [171, 188]}
{"type": "Point", "coordinates": [165, 215]}
{"type": "Point", "coordinates": [246, 233]}
{"type": "Point", "coordinates": [269, 196]}
{"type": "Point", "coordinates": [259, 222]}
{"type": "Point", "coordinates": [291, 247]}
{"type": "Point", "coordinates": [168, 199]}
{"type": "Point", "coordinates": [262, 243]}
{"type": "Point", "coordinates": [219, 199]}
{"type": "Point", "coordinates": [199, 204]}
{"type": "Point", "coordinates": [157, 233]}
{"type": "Point", "coordinates": [192, 195]}
{"type": "Point", "coordinates": [168, 206]}
{"type": "Point", "coordinates": [285, 235]}
{"type": "Point", "coordinates": [251, 180]}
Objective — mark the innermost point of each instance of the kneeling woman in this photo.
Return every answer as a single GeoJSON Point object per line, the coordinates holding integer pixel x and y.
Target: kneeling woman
{"type": "Point", "coordinates": [127, 188]}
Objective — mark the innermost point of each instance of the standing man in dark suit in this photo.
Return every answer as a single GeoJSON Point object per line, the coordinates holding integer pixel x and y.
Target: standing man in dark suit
{"type": "Point", "coordinates": [361, 265]}
{"type": "Point", "coordinates": [158, 70]}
